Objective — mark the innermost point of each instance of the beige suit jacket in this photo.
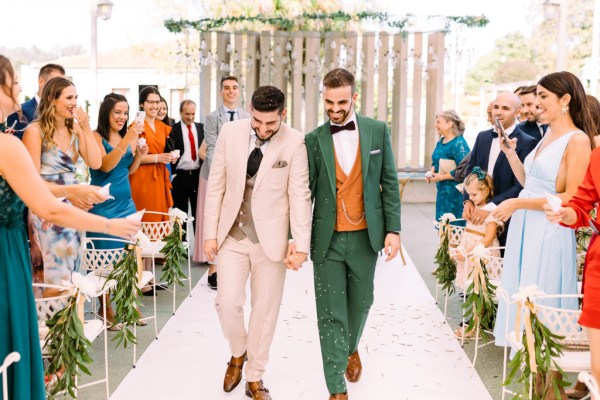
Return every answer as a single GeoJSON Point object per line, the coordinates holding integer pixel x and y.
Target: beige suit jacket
{"type": "Point", "coordinates": [281, 200]}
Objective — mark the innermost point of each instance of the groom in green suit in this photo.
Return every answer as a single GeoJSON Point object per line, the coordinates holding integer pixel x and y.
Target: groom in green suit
{"type": "Point", "coordinates": [356, 213]}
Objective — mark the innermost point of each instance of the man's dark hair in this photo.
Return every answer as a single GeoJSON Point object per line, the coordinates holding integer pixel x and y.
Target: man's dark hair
{"type": "Point", "coordinates": [268, 98]}
{"type": "Point", "coordinates": [48, 68]}
{"type": "Point", "coordinates": [228, 78]}
{"type": "Point", "coordinates": [184, 103]}
{"type": "Point", "coordinates": [519, 91]}
{"type": "Point", "coordinates": [528, 90]}
{"type": "Point", "coordinates": [339, 77]}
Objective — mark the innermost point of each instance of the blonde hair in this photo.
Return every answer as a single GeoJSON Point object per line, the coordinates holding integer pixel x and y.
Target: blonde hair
{"type": "Point", "coordinates": [458, 126]}
{"type": "Point", "coordinates": [484, 182]}
{"type": "Point", "coordinates": [46, 110]}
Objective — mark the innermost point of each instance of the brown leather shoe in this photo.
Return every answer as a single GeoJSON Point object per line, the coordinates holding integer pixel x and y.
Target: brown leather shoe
{"type": "Point", "coordinates": [339, 396]}
{"type": "Point", "coordinates": [233, 375]}
{"type": "Point", "coordinates": [257, 391]}
{"type": "Point", "coordinates": [354, 368]}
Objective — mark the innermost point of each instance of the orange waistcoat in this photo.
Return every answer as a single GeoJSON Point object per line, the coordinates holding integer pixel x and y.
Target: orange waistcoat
{"type": "Point", "coordinates": [349, 194]}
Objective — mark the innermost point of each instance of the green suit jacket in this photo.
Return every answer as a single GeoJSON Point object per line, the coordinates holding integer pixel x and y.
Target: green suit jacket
{"type": "Point", "coordinates": [380, 184]}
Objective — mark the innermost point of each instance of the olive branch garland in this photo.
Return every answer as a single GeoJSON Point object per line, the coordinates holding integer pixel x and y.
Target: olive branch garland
{"type": "Point", "coordinates": [126, 294]}
{"type": "Point", "coordinates": [479, 305]}
{"type": "Point", "coordinates": [537, 361]}
{"type": "Point", "coordinates": [67, 349]}
{"type": "Point", "coordinates": [445, 273]}
{"type": "Point", "coordinates": [175, 254]}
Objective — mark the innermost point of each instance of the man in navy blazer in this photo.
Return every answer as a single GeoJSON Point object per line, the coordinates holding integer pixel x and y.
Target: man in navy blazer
{"type": "Point", "coordinates": [486, 154]}
{"type": "Point", "coordinates": [531, 125]}
{"type": "Point", "coordinates": [28, 109]}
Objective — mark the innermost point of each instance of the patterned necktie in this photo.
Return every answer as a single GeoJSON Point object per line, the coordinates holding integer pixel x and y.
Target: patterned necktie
{"type": "Point", "coordinates": [192, 142]}
{"type": "Point", "coordinates": [231, 114]}
{"type": "Point", "coordinates": [255, 158]}
{"type": "Point", "coordinates": [350, 126]}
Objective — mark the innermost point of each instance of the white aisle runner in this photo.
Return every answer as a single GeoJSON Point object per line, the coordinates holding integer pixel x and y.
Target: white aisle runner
{"type": "Point", "coordinates": [407, 349]}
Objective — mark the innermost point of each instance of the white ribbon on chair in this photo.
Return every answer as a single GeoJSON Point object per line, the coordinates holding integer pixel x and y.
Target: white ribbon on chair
{"type": "Point", "coordinates": [525, 298]}
{"type": "Point", "coordinates": [479, 254]}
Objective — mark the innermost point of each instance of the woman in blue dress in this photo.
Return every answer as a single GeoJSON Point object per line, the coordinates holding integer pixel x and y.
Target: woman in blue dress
{"type": "Point", "coordinates": [451, 146]}
{"type": "Point", "coordinates": [121, 157]}
{"type": "Point", "coordinates": [539, 252]}
{"type": "Point", "coordinates": [21, 183]}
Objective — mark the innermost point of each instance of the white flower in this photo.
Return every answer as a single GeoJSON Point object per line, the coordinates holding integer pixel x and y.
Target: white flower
{"type": "Point", "coordinates": [84, 284]}
{"type": "Point", "coordinates": [480, 251]}
{"type": "Point", "coordinates": [531, 292]}
{"type": "Point", "coordinates": [177, 213]}
{"type": "Point", "coordinates": [447, 218]}
{"type": "Point", "coordinates": [143, 240]}
{"type": "Point", "coordinates": [110, 284]}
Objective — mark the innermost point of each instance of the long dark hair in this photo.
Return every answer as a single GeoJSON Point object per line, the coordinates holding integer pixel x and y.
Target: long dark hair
{"type": "Point", "coordinates": [106, 107]}
{"type": "Point", "coordinates": [144, 95]}
{"type": "Point", "coordinates": [564, 82]}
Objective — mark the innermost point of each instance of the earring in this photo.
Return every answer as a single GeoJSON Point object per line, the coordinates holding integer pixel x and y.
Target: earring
{"type": "Point", "coordinates": [564, 109]}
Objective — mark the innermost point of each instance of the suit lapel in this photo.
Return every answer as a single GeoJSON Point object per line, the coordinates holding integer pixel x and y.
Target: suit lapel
{"type": "Point", "coordinates": [223, 115]}
{"type": "Point", "coordinates": [241, 154]}
{"type": "Point", "coordinates": [364, 138]}
{"type": "Point", "coordinates": [270, 155]}
{"type": "Point", "coordinates": [326, 144]}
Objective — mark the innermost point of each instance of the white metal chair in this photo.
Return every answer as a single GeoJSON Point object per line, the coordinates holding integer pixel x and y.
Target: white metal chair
{"type": "Point", "coordinates": [10, 359]}
{"type": "Point", "coordinates": [580, 260]}
{"type": "Point", "coordinates": [48, 306]}
{"type": "Point", "coordinates": [99, 262]}
{"type": "Point", "coordinates": [156, 232]}
{"type": "Point", "coordinates": [591, 384]}
{"type": "Point", "coordinates": [455, 234]}
{"type": "Point", "coordinates": [560, 321]}
{"type": "Point", "coordinates": [494, 266]}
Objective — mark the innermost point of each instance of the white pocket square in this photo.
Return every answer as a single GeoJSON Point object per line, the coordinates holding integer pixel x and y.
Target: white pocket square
{"type": "Point", "coordinates": [375, 151]}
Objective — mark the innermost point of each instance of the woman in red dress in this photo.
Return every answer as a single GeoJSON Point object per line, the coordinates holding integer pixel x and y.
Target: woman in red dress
{"type": "Point", "coordinates": [574, 214]}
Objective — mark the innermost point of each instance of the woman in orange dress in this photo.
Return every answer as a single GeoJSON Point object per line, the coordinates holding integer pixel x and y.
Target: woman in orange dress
{"type": "Point", "coordinates": [150, 184]}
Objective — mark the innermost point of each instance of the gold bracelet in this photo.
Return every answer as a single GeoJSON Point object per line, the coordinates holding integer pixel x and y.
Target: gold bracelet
{"type": "Point", "coordinates": [107, 227]}
{"type": "Point", "coordinates": [120, 149]}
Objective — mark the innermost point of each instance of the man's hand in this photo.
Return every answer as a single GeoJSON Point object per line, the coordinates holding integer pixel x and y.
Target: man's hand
{"type": "Point", "coordinates": [468, 208]}
{"type": "Point", "coordinates": [294, 259]}
{"type": "Point", "coordinates": [391, 245]}
{"type": "Point", "coordinates": [210, 249]}
{"type": "Point", "coordinates": [478, 216]}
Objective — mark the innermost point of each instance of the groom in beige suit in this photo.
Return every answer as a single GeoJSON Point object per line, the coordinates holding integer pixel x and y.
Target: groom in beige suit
{"type": "Point", "coordinates": [257, 195]}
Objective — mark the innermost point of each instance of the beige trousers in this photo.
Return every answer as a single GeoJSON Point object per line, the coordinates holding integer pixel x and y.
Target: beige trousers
{"type": "Point", "coordinates": [237, 261]}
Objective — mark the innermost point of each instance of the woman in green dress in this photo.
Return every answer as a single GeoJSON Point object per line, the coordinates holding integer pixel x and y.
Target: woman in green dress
{"type": "Point", "coordinates": [21, 183]}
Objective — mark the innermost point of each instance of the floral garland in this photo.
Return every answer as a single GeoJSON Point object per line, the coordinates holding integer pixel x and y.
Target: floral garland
{"type": "Point", "coordinates": [338, 19]}
{"type": "Point", "coordinates": [65, 340]}
{"type": "Point", "coordinates": [126, 292]}
{"type": "Point", "coordinates": [445, 273]}
{"type": "Point", "coordinates": [479, 305]}
{"type": "Point", "coordinates": [174, 251]}
{"type": "Point", "coordinates": [535, 359]}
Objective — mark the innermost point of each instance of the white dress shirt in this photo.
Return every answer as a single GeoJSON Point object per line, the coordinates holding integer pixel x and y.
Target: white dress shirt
{"type": "Point", "coordinates": [495, 150]}
{"type": "Point", "coordinates": [252, 144]}
{"type": "Point", "coordinates": [186, 161]}
{"type": "Point", "coordinates": [236, 114]}
{"type": "Point", "coordinates": [346, 145]}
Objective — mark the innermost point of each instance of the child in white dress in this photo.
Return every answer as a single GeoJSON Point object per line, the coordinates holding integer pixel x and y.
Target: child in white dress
{"type": "Point", "coordinates": [480, 189]}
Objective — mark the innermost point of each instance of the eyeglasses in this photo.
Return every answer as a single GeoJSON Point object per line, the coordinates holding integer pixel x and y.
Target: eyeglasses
{"type": "Point", "coordinates": [153, 101]}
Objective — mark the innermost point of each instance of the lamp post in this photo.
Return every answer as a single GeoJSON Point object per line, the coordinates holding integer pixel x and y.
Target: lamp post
{"type": "Point", "coordinates": [557, 9]}
{"type": "Point", "coordinates": [100, 9]}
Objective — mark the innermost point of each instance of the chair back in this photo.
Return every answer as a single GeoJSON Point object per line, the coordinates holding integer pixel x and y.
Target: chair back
{"type": "Point", "coordinates": [590, 382]}
{"type": "Point", "coordinates": [93, 259]}
{"type": "Point", "coordinates": [10, 359]}
{"type": "Point", "coordinates": [158, 230]}
{"type": "Point", "coordinates": [455, 231]}
{"type": "Point", "coordinates": [563, 322]}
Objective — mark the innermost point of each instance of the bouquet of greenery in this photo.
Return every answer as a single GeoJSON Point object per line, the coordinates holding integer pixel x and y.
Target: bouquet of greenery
{"type": "Point", "coordinates": [445, 273]}
{"type": "Point", "coordinates": [479, 305]}
{"type": "Point", "coordinates": [174, 251]}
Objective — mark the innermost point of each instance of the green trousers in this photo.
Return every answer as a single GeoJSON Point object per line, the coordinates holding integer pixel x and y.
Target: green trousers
{"type": "Point", "coordinates": [344, 295]}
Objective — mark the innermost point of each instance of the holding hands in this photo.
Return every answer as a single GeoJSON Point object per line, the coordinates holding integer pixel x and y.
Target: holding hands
{"type": "Point", "coordinates": [294, 259]}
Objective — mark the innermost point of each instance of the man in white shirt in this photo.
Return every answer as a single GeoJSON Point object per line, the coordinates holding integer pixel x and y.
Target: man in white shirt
{"type": "Point", "coordinates": [186, 137]}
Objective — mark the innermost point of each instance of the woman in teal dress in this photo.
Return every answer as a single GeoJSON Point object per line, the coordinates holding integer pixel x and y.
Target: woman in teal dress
{"type": "Point", "coordinates": [20, 180]}
{"type": "Point", "coordinates": [118, 145]}
{"type": "Point", "coordinates": [451, 146]}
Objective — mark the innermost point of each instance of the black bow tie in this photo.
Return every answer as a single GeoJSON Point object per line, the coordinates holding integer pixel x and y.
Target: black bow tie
{"type": "Point", "coordinates": [350, 126]}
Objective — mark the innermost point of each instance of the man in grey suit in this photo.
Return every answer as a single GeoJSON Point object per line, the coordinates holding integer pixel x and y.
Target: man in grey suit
{"type": "Point", "coordinates": [213, 124]}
